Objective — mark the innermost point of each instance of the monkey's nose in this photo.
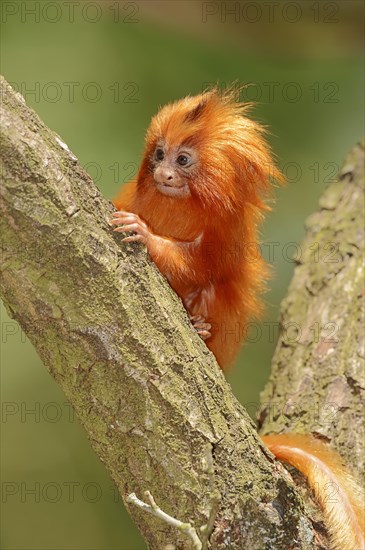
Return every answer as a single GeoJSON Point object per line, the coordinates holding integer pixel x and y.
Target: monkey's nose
{"type": "Point", "coordinates": [163, 175]}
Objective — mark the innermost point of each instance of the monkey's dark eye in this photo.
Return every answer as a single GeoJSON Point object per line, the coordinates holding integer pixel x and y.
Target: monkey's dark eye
{"type": "Point", "coordinates": [183, 160]}
{"type": "Point", "coordinates": [159, 154]}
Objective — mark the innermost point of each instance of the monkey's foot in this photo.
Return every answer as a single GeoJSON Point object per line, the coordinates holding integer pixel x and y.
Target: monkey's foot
{"type": "Point", "coordinates": [201, 327]}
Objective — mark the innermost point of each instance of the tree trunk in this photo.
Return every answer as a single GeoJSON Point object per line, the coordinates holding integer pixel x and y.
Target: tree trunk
{"type": "Point", "coordinates": [317, 381]}
{"type": "Point", "coordinates": [150, 395]}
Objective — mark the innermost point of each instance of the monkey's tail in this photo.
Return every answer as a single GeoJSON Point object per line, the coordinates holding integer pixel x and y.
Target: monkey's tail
{"type": "Point", "coordinates": [340, 497]}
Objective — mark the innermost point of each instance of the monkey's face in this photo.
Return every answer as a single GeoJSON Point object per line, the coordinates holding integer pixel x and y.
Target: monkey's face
{"type": "Point", "coordinates": [172, 168]}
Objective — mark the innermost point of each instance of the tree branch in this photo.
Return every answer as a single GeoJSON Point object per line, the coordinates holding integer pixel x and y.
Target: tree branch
{"type": "Point", "coordinates": [118, 341]}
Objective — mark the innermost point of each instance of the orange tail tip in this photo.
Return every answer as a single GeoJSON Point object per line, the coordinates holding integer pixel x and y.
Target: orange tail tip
{"type": "Point", "coordinates": [340, 497]}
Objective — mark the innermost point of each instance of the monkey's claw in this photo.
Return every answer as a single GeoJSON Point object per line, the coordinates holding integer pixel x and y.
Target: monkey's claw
{"type": "Point", "coordinates": [201, 327]}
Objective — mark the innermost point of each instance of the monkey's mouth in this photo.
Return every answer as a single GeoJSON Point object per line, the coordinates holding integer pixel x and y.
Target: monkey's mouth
{"type": "Point", "coordinates": [171, 190]}
{"type": "Point", "coordinates": [172, 186]}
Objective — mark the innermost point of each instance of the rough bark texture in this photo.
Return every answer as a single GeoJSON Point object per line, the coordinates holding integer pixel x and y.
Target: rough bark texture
{"type": "Point", "coordinates": [117, 339]}
{"type": "Point", "coordinates": [317, 382]}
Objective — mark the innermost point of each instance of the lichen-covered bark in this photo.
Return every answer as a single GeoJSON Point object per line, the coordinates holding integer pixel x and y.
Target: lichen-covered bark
{"type": "Point", "coordinates": [118, 341]}
{"type": "Point", "coordinates": [318, 371]}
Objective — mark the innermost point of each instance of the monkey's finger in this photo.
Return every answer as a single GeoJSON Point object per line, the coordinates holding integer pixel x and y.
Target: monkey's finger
{"type": "Point", "coordinates": [123, 230]}
{"type": "Point", "coordinates": [196, 319]}
{"type": "Point", "coordinates": [128, 227]}
{"type": "Point", "coordinates": [204, 334]}
{"type": "Point", "coordinates": [133, 238]}
{"type": "Point", "coordinates": [123, 219]}
{"type": "Point", "coordinates": [202, 326]}
{"type": "Point", "coordinates": [116, 221]}
{"type": "Point", "coordinates": [121, 212]}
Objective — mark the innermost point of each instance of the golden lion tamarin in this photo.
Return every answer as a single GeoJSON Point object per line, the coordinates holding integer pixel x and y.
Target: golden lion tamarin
{"type": "Point", "coordinates": [196, 205]}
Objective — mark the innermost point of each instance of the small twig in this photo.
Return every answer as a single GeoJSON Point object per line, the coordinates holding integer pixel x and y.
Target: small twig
{"type": "Point", "coordinates": [206, 530]}
{"type": "Point", "coordinates": [215, 497]}
{"type": "Point", "coordinates": [153, 509]}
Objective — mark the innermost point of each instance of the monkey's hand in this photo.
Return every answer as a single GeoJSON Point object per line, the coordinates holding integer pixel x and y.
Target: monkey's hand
{"type": "Point", "coordinates": [173, 258]}
{"type": "Point", "coordinates": [128, 222]}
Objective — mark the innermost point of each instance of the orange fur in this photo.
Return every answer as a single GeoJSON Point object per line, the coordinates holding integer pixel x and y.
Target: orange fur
{"type": "Point", "coordinates": [221, 273]}
{"type": "Point", "coordinates": [341, 498]}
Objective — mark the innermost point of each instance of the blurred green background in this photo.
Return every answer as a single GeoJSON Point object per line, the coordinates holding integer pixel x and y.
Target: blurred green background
{"type": "Point", "coordinates": [96, 72]}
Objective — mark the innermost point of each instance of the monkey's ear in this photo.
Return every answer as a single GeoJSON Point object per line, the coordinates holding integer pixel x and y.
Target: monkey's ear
{"type": "Point", "coordinates": [197, 112]}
